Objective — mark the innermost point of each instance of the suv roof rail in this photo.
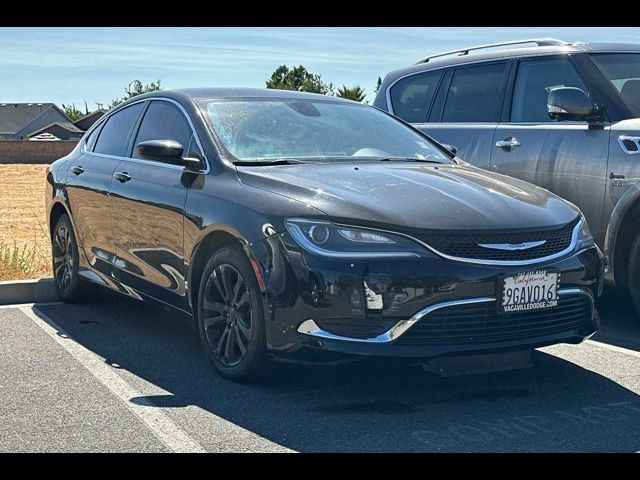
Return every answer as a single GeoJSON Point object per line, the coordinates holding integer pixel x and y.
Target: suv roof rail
{"type": "Point", "coordinates": [541, 42]}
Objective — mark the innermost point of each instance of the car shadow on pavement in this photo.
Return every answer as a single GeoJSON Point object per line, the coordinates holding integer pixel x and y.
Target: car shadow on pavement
{"type": "Point", "coordinates": [371, 405]}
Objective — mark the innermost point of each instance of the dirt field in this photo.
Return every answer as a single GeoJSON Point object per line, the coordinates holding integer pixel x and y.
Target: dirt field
{"type": "Point", "coordinates": [23, 232]}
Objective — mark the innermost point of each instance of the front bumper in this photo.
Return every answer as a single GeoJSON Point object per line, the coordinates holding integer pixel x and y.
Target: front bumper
{"type": "Point", "coordinates": [381, 307]}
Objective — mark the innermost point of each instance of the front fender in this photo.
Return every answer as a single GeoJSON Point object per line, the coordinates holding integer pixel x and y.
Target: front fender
{"type": "Point", "coordinates": [626, 201]}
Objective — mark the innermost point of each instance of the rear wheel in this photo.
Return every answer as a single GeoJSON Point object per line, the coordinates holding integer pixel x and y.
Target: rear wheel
{"type": "Point", "coordinates": [230, 316]}
{"type": "Point", "coordinates": [65, 259]}
{"type": "Point", "coordinates": [633, 279]}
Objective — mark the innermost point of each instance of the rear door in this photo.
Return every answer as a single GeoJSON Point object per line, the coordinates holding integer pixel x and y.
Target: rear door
{"type": "Point", "coordinates": [466, 109]}
{"type": "Point", "coordinates": [148, 200]}
{"type": "Point", "coordinates": [88, 183]}
{"type": "Point", "coordinates": [569, 158]}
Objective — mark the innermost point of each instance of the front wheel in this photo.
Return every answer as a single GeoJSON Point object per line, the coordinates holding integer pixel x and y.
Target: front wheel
{"type": "Point", "coordinates": [633, 278]}
{"type": "Point", "coordinates": [231, 316]}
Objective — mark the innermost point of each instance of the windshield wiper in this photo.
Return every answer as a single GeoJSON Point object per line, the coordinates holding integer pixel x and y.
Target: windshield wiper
{"type": "Point", "coordinates": [262, 163]}
{"type": "Point", "coordinates": [408, 159]}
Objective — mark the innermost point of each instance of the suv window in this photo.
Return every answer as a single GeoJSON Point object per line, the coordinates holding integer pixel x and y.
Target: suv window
{"type": "Point", "coordinates": [533, 81]}
{"type": "Point", "coordinates": [164, 121]}
{"type": "Point", "coordinates": [474, 94]}
{"type": "Point", "coordinates": [412, 95]}
{"type": "Point", "coordinates": [114, 134]}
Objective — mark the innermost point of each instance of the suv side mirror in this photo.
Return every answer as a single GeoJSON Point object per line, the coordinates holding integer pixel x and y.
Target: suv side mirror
{"type": "Point", "coordinates": [168, 151]}
{"type": "Point", "coordinates": [571, 103]}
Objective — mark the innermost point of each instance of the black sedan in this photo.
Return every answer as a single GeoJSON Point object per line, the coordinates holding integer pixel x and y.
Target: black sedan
{"type": "Point", "coordinates": [303, 226]}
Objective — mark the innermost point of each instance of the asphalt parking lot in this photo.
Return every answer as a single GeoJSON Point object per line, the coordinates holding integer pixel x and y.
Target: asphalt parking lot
{"type": "Point", "coordinates": [119, 375]}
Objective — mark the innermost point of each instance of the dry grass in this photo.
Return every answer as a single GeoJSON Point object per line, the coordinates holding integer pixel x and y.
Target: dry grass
{"type": "Point", "coordinates": [24, 238]}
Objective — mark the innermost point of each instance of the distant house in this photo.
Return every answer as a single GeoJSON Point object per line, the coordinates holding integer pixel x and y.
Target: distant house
{"type": "Point", "coordinates": [84, 123]}
{"type": "Point", "coordinates": [57, 131]}
{"type": "Point", "coordinates": [22, 121]}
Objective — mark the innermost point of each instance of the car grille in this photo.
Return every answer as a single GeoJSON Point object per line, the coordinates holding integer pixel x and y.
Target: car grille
{"type": "Point", "coordinates": [467, 246]}
{"type": "Point", "coordinates": [480, 323]}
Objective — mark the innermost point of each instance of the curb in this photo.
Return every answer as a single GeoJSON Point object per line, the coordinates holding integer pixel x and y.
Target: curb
{"type": "Point", "coordinates": [28, 291]}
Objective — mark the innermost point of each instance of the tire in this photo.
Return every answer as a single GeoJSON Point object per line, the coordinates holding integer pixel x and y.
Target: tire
{"type": "Point", "coordinates": [232, 325]}
{"type": "Point", "coordinates": [633, 275]}
{"type": "Point", "coordinates": [65, 260]}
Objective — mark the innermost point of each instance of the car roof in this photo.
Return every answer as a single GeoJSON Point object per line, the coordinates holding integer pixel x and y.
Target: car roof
{"type": "Point", "coordinates": [186, 94]}
{"type": "Point", "coordinates": [479, 54]}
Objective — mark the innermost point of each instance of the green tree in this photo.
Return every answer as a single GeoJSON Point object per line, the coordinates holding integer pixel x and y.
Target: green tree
{"type": "Point", "coordinates": [354, 93]}
{"type": "Point", "coordinates": [378, 85]}
{"type": "Point", "coordinates": [299, 79]}
{"type": "Point", "coordinates": [134, 89]}
{"type": "Point", "coordinates": [72, 112]}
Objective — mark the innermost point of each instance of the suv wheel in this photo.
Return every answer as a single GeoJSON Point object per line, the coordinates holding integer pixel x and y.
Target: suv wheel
{"type": "Point", "coordinates": [633, 278]}
{"type": "Point", "coordinates": [231, 316]}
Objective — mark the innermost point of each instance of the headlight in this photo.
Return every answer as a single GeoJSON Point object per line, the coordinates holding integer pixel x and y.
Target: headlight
{"type": "Point", "coordinates": [585, 239]}
{"type": "Point", "coordinates": [329, 240]}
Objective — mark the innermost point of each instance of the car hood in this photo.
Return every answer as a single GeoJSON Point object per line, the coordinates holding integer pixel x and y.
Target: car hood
{"type": "Point", "coordinates": [415, 196]}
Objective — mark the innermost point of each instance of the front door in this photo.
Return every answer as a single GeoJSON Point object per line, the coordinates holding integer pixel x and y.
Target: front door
{"type": "Point", "coordinates": [147, 210]}
{"type": "Point", "coordinates": [567, 158]}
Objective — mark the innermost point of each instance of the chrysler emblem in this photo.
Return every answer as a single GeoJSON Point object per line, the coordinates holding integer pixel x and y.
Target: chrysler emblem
{"type": "Point", "coordinates": [512, 246]}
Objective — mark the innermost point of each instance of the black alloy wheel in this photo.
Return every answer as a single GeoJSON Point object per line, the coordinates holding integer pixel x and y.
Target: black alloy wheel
{"type": "Point", "coordinates": [230, 316]}
{"type": "Point", "coordinates": [227, 315]}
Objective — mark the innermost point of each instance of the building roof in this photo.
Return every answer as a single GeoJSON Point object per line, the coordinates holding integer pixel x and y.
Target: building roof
{"type": "Point", "coordinates": [70, 127]}
{"type": "Point", "coordinates": [96, 113]}
{"type": "Point", "coordinates": [15, 116]}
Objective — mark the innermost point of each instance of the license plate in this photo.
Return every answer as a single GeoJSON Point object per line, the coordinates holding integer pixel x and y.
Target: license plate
{"type": "Point", "coordinates": [528, 291]}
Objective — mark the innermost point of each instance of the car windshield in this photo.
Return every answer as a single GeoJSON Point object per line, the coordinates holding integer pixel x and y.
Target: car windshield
{"type": "Point", "coordinates": [276, 130]}
{"type": "Point", "coordinates": [623, 71]}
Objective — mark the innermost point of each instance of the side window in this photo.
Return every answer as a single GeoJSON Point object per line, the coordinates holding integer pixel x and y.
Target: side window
{"type": "Point", "coordinates": [474, 94]}
{"type": "Point", "coordinates": [114, 134]}
{"type": "Point", "coordinates": [164, 121]}
{"type": "Point", "coordinates": [412, 95]}
{"type": "Point", "coordinates": [533, 81]}
{"type": "Point", "coordinates": [193, 150]}
{"type": "Point", "coordinates": [91, 139]}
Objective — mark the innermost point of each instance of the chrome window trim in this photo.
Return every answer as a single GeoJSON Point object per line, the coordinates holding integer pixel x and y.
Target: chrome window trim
{"type": "Point", "coordinates": [470, 62]}
{"type": "Point", "coordinates": [310, 327]}
{"type": "Point", "coordinates": [106, 117]}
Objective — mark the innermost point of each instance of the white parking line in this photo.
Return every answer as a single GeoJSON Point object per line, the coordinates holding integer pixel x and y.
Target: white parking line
{"type": "Point", "coordinates": [614, 348]}
{"type": "Point", "coordinates": [172, 436]}
{"type": "Point", "coordinates": [18, 305]}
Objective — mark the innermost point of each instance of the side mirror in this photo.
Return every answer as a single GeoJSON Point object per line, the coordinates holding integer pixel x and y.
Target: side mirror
{"type": "Point", "coordinates": [168, 151]}
{"type": "Point", "coordinates": [571, 103]}
{"type": "Point", "coordinates": [453, 149]}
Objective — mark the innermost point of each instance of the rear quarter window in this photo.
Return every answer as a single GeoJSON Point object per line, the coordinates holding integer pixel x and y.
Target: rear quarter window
{"type": "Point", "coordinates": [411, 96]}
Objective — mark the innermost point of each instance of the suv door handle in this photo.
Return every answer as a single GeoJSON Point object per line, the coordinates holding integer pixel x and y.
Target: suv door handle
{"type": "Point", "coordinates": [509, 142]}
{"type": "Point", "coordinates": [77, 169]}
{"type": "Point", "coordinates": [122, 176]}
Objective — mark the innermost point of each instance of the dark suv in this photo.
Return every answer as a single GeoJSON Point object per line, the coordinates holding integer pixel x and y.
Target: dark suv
{"type": "Point", "coordinates": [565, 116]}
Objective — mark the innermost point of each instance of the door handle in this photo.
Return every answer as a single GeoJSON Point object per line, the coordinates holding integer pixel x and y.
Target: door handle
{"type": "Point", "coordinates": [77, 169]}
{"type": "Point", "coordinates": [613, 176]}
{"type": "Point", "coordinates": [508, 143]}
{"type": "Point", "coordinates": [122, 176]}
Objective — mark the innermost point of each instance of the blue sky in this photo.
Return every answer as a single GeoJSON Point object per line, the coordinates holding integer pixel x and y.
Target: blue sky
{"type": "Point", "coordinates": [66, 65]}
